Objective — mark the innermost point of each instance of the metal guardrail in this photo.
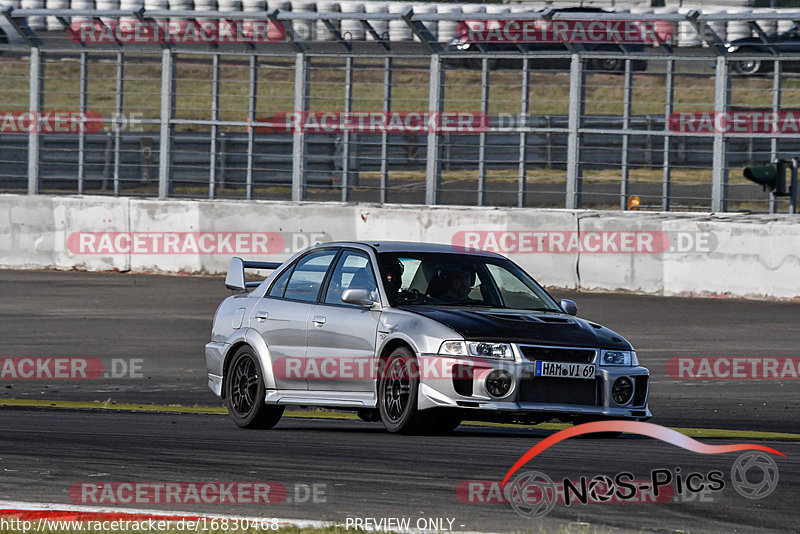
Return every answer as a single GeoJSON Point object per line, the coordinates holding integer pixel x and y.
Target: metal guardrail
{"type": "Point", "coordinates": [139, 157]}
{"type": "Point", "coordinates": [213, 93]}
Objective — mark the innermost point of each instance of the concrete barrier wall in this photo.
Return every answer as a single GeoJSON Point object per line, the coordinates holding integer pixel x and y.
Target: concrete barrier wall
{"type": "Point", "coordinates": [755, 256]}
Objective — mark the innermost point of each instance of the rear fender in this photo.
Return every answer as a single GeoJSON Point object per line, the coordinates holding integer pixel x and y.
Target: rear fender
{"type": "Point", "coordinates": [250, 337]}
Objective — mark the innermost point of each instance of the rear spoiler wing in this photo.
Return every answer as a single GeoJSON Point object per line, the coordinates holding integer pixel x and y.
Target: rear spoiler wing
{"type": "Point", "coordinates": [235, 278]}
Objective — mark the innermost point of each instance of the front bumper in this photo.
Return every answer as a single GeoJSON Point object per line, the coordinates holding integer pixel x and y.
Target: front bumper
{"type": "Point", "coordinates": [568, 399]}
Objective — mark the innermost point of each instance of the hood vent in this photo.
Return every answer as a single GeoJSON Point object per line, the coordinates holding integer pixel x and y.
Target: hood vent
{"type": "Point", "coordinates": [530, 318]}
{"type": "Point", "coordinates": [561, 320]}
{"type": "Point", "coordinates": [509, 317]}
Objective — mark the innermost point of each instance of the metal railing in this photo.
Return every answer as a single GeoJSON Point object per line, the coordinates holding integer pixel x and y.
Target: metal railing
{"type": "Point", "coordinates": [578, 126]}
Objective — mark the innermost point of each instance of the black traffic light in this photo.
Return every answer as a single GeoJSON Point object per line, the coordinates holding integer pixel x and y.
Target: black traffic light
{"type": "Point", "coordinates": [771, 177]}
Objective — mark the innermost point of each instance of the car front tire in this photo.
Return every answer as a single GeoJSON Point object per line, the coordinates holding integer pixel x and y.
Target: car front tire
{"type": "Point", "coordinates": [244, 393]}
{"type": "Point", "coordinates": [398, 391]}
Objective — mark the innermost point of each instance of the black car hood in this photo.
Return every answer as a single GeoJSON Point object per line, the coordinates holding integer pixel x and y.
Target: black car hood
{"type": "Point", "coordinates": [522, 326]}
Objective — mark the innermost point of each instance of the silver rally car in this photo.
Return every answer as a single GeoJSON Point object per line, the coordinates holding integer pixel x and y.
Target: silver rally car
{"type": "Point", "coordinates": [418, 336]}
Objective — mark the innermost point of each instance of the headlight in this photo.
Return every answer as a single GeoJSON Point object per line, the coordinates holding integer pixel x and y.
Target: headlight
{"type": "Point", "coordinates": [618, 357]}
{"type": "Point", "coordinates": [479, 349]}
{"type": "Point", "coordinates": [453, 348]}
{"type": "Point", "coordinates": [491, 350]}
{"type": "Point", "coordinates": [459, 44]}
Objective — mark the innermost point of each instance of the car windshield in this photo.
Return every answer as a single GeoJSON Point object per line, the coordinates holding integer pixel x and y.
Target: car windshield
{"type": "Point", "coordinates": [452, 279]}
{"type": "Point", "coordinates": [791, 33]}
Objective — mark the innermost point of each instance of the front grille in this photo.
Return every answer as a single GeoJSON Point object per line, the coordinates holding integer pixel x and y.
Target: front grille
{"type": "Point", "coordinates": [559, 390]}
{"type": "Point", "coordinates": [640, 387]}
{"type": "Point", "coordinates": [556, 354]}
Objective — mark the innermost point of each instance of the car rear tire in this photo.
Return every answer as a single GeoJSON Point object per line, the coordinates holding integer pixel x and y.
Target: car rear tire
{"type": "Point", "coordinates": [244, 393]}
{"type": "Point", "coordinates": [398, 390]}
{"type": "Point", "coordinates": [748, 67]}
{"type": "Point", "coordinates": [608, 65]}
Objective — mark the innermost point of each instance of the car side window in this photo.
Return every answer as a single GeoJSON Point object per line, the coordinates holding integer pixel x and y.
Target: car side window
{"type": "Point", "coordinates": [306, 279]}
{"type": "Point", "coordinates": [279, 287]}
{"type": "Point", "coordinates": [353, 271]}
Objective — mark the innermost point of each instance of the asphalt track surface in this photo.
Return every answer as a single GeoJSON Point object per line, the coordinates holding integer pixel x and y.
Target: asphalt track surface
{"type": "Point", "coordinates": [164, 321]}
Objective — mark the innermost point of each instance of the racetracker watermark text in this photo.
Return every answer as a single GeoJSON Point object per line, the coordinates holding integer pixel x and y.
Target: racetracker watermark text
{"type": "Point", "coordinates": [113, 243]}
{"type": "Point", "coordinates": [61, 122]}
{"type": "Point", "coordinates": [743, 368]}
{"type": "Point", "coordinates": [68, 368]}
{"type": "Point", "coordinates": [88, 32]}
{"type": "Point", "coordinates": [464, 122]}
{"type": "Point", "coordinates": [584, 241]}
{"type": "Point", "coordinates": [731, 122]}
{"type": "Point", "coordinates": [196, 493]}
{"type": "Point", "coordinates": [564, 31]}
{"type": "Point", "coordinates": [138, 524]}
{"type": "Point", "coordinates": [350, 368]}
{"type": "Point", "coordinates": [587, 491]}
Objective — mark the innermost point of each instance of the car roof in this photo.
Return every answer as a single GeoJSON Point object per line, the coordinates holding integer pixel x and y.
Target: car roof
{"type": "Point", "coordinates": [580, 9]}
{"type": "Point", "coordinates": [413, 246]}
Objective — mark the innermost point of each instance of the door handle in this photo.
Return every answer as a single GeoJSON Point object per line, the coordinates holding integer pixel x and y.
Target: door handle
{"type": "Point", "coordinates": [262, 315]}
{"type": "Point", "coordinates": [318, 320]}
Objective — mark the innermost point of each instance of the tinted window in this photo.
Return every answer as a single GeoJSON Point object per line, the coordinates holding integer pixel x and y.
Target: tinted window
{"type": "Point", "coordinates": [279, 286]}
{"type": "Point", "coordinates": [514, 292]}
{"type": "Point", "coordinates": [353, 271]}
{"type": "Point", "coordinates": [307, 276]}
{"type": "Point", "coordinates": [459, 280]}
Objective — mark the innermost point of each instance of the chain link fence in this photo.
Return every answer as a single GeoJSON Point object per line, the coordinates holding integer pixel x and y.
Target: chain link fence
{"type": "Point", "coordinates": [266, 114]}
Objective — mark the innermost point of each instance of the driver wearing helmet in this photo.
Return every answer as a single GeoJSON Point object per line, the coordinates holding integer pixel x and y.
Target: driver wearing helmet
{"type": "Point", "coordinates": [392, 275]}
{"type": "Point", "coordinates": [392, 272]}
{"type": "Point", "coordinates": [457, 283]}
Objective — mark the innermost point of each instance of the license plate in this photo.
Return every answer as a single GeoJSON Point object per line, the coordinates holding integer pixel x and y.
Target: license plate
{"type": "Point", "coordinates": [564, 370]}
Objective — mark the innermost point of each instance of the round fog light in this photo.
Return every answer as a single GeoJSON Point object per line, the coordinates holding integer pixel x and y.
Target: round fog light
{"type": "Point", "coordinates": [499, 382]}
{"type": "Point", "coordinates": [622, 390]}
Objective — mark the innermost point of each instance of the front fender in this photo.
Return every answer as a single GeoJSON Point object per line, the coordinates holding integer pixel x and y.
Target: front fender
{"type": "Point", "coordinates": [393, 338]}
{"type": "Point", "coordinates": [423, 334]}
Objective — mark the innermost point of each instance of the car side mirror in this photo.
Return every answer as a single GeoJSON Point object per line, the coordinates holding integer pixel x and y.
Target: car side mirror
{"type": "Point", "coordinates": [359, 297]}
{"type": "Point", "coordinates": [569, 306]}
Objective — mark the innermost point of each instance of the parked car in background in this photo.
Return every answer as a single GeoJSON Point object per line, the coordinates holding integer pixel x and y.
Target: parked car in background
{"type": "Point", "coordinates": [561, 61]}
{"type": "Point", "coordinates": [783, 43]}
